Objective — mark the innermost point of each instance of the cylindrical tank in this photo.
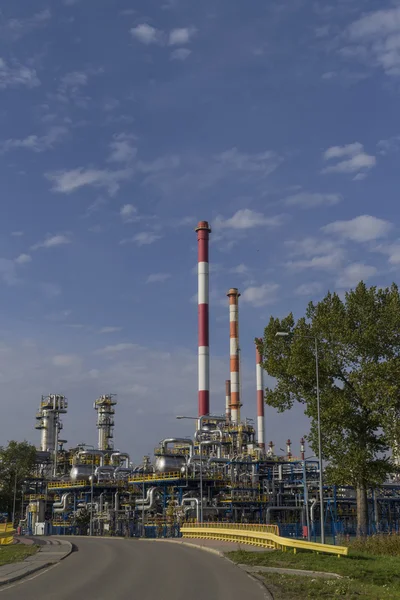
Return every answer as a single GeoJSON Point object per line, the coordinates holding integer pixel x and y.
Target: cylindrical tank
{"type": "Point", "coordinates": [81, 472]}
{"type": "Point", "coordinates": [164, 464]}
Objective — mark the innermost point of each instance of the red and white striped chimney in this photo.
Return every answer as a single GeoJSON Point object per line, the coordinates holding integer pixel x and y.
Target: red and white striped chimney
{"type": "Point", "coordinates": [203, 230]}
{"type": "Point", "coordinates": [233, 296]}
{"type": "Point", "coordinates": [228, 400]}
{"type": "Point", "coordinates": [260, 398]}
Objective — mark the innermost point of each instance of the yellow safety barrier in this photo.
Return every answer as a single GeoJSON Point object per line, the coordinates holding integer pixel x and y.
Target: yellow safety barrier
{"type": "Point", "coordinates": [7, 533]}
{"type": "Point", "coordinates": [233, 532]}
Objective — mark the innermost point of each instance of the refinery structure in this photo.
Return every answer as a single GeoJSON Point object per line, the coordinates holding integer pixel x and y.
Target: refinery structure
{"type": "Point", "coordinates": [225, 472]}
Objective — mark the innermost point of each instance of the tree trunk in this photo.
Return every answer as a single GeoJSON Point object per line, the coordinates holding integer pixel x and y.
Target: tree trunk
{"type": "Point", "coordinates": [362, 510]}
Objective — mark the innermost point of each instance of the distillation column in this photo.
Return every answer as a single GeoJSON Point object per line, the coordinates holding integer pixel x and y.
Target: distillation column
{"type": "Point", "coordinates": [203, 231]}
{"type": "Point", "coordinates": [233, 296]}
{"type": "Point", "coordinates": [260, 398]}
{"type": "Point", "coordinates": [105, 420]}
{"type": "Point", "coordinates": [48, 417]}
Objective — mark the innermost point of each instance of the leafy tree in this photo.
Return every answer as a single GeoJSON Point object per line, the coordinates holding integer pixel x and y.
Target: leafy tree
{"type": "Point", "coordinates": [359, 374]}
{"type": "Point", "coordinates": [17, 462]}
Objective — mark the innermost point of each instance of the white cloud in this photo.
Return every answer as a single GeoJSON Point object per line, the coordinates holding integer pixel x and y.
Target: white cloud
{"type": "Point", "coordinates": [308, 289]}
{"type": "Point", "coordinates": [376, 39]}
{"type": "Point", "coordinates": [70, 181]}
{"type": "Point", "coordinates": [312, 200]}
{"type": "Point", "coordinates": [7, 271]}
{"type": "Point", "coordinates": [65, 360]}
{"type": "Point", "coordinates": [158, 277]}
{"type": "Point", "coordinates": [16, 75]}
{"type": "Point", "coordinates": [17, 28]}
{"type": "Point", "coordinates": [247, 219]}
{"type": "Point", "coordinates": [36, 143]}
{"type": "Point", "coordinates": [262, 162]}
{"type": "Point", "coordinates": [181, 36]}
{"type": "Point", "coordinates": [390, 145]}
{"type": "Point", "coordinates": [262, 295]}
{"type": "Point", "coordinates": [127, 212]}
{"type": "Point", "coordinates": [17, 233]}
{"type": "Point", "coordinates": [51, 290]}
{"type": "Point", "coordinates": [74, 80]}
{"type": "Point", "coordinates": [354, 273]}
{"type": "Point", "coordinates": [324, 262]}
{"type": "Point", "coordinates": [360, 229]}
{"type": "Point", "coordinates": [180, 54]}
{"type": "Point", "coordinates": [240, 269]}
{"type": "Point", "coordinates": [310, 246]}
{"type": "Point", "coordinates": [123, 347]}
{"type": "Point", "coordinates": [52, 241]}
{"type": "Point", "coordinates": [144, 238]}
{"type": "Point", "coordinates": [355, 159]}
{"type": "Point", "coordinates": [122, 149]}
{"type": "Point", "coordinates": [110, 329]}
{"type": "Point", "coordinates": [23, 259]}
{"type": "Point", "coordinates": [146, 34]}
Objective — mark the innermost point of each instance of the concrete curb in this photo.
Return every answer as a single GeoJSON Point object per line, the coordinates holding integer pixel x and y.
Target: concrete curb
{"type": "Point", "coordinates": [30, 569]}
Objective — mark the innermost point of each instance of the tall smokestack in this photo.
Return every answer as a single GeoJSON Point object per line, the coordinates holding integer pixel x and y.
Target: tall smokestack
{"type": "Point", "coordinates": [260, 398]}
{"type": "Point", "coordinates": [228, 400]}
{"type": "Point", "coordinates": [203, 230]}
{"type": "Point", "coordinates": [233, 296]}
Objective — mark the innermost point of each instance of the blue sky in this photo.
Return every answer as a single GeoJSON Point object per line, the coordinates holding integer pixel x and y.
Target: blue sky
{"type": "Point", "coordinates": [122, 125]}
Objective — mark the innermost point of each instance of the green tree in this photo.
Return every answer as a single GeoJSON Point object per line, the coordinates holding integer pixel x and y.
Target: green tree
{"type": "Point", "coordinates": [359, 373]}
{"type": "Point", "coordinates": [17, 462]}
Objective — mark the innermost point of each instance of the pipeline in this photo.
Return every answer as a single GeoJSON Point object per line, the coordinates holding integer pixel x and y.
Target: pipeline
{"type": "Point", "coordinates": [281, 508]}
{"type": "Point", "coordinates": [107, 470]}
{"type": "Point", "coordinates": [189, 501]}
{"type": "Point", "coordinates": [121, 455]}
{"type": "Point", "coordinates": [62, 506]}
{"type": "Point", "coordinates": [121, 473]}
{"type": "Point", "coordinates": [149, 501]}
{"type": "Point", "coordinates": [182, 441]}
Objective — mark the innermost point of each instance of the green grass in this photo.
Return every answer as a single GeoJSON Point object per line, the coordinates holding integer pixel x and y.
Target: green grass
{"type": "Point", "coordinates": [16, 553]}
{"type": "Point", "coordinates": [368, 577]}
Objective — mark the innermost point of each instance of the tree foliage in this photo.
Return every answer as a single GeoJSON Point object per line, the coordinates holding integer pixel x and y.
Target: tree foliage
{"type": "Point", "coordinates": [17, 461]}
{"type": "Point", "coordinates": [358, 342]}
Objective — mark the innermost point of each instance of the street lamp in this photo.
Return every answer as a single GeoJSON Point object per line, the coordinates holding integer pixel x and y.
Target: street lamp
{"type": "Point", "coordinates": [200, 419]}
{"type": "Point", "coordinates": [15, 494]}
{"type": "Point", "coordinates": [91, 488]}
{"type": "Point", "coordinates": [321, 488]}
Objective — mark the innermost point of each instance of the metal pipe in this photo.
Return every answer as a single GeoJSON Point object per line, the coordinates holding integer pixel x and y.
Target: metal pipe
{"type": "Point", "coordinates": [121, 471]}
{"type": "Point", "coordinates": [282, 508]}
{"type": "Point", "coordinates": [260, 397]}
{"type": "Point", "coordinates": [203, 230]}
{"type": "Point", "coordinates": [182, 441]}
{"type": "Point", "coordinates": [233, 295]}
{"type": "Point", "coordinates": [189, 500]}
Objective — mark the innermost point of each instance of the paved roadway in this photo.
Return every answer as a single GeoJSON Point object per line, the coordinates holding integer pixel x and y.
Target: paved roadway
{"type": "Point", "coordinates": [117, 569]}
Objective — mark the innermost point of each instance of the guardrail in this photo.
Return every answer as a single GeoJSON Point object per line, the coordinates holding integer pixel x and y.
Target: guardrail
{"type": "Point", "coordinates": [7, 533]}
{"type": "Point", "coordinates": [244, 534]}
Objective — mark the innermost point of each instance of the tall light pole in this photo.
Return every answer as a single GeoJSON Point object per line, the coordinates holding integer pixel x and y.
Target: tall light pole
{"type": "Point", "coordinates": [15, 494]}
{"type": "Point", "coordinates": [321, 484]}
{"type": "Point", "coordinates": [200, 422]}
{"type": "Point", "coordinates": [91, 488]}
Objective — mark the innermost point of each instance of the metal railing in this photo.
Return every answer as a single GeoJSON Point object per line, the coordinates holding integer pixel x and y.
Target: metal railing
{"type": "Point", "coordinates": [7, 533]}
{"type": "Point", "coordinates": [240, 534]}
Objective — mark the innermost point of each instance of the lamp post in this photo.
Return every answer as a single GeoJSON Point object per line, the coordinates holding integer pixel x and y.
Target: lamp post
{"type": "Point", "coordinates": [200, 421]}
{"type": "Point", "coordinates": [15, 494]}
{"type": "Point", "coordinates": [91, 489]}
{"type": "Point", "coordinates": [321, 488]}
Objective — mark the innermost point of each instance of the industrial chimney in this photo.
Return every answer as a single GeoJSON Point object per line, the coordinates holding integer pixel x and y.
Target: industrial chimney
{"type": "Point", "coordinates": [260, 398]}
{"type": "Point", "coordinates": [233, 295]}
{"type": "Point", "coordinates": [203, 231]}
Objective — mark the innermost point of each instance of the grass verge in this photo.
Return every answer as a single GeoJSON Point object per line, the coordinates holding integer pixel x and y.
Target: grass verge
{"type": "Point", "coordinates": [16, 553]}
{"type": "Point", "coordinates": [366, 576]}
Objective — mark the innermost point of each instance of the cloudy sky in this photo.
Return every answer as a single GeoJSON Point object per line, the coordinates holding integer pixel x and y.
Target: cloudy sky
{"type": "Point", "coordinates": [122, 127]}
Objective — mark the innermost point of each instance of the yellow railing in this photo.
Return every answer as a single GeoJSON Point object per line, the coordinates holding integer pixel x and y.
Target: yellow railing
{"type": "Point", "coordinates": [7, 533]}
{"type": "Point", "coordinates": [239, 534]}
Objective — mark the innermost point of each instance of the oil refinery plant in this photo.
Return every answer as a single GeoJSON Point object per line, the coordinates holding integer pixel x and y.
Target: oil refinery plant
{"type": "Point", "coordinates": [226, 472]}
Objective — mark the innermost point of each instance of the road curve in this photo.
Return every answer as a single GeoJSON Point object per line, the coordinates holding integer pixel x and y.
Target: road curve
{"type": "Point", "coordinates": [117, 569]}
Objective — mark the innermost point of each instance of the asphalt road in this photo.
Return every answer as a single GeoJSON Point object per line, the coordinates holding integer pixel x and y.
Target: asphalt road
{"type": "Point", "coordinates": [114, 569]}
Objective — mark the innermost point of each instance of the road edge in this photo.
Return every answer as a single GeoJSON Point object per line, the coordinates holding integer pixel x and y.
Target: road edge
{"type": "Point", "coordinates": [32, 570]}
